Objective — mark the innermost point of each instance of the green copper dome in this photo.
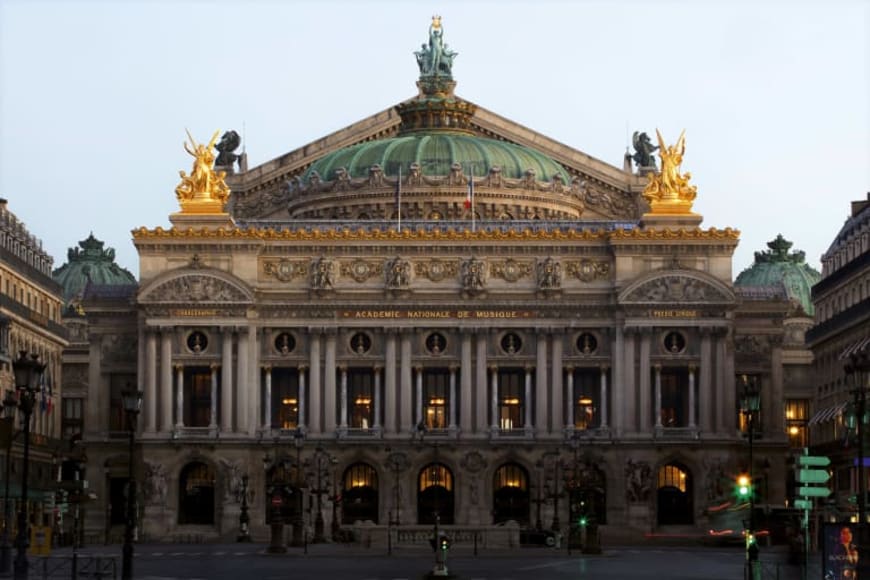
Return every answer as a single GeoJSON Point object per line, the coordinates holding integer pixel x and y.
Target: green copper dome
{"type": "Point", "coordinates": [779, 267]}
{"type": "Point", "coordinates": [90, 263]}
{"type": "Point", "coordinates": [435, 152]}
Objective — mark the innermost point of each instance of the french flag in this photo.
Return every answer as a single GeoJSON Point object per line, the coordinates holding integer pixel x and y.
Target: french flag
{"type": "Point", "coordinates": [469, 196]}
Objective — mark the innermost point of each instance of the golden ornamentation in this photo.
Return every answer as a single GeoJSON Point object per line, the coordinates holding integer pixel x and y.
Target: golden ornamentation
{"type": "Point", "coordinates": [360, 270]}
{"type": "Point", "coordinates": [285, 270]}
{"type": "Point", "coordinates": [204, 190]}
{"type": "Point", "coordinates": [510, 270]}
{"type": "Point", "coordinates": [588, 270]}
{"type": "Point", "coordinates": [436, 270]}
{"type": "Point", "coordinates": [676, 234]}
{"type": "Point", "coordinates": [669, 192]}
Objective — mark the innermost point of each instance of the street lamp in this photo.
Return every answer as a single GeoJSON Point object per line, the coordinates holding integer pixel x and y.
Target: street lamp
{"type": "Point", "coordinates": [858, 367]}
{"type": "Point", "coordinates": [298, 441]}
{"type": "Point", "coordinates": [750, 404]}
{"type": "Point", "coordinates": [132, 401]}
{"type": "Point", "coordinates": [244, 518]}
{"type": "Point", "coordinates": [28, 372]}
{"type": "Point", "coordinates": [320, 464]}
{"type": "Point", "coordinates": [10, 403]}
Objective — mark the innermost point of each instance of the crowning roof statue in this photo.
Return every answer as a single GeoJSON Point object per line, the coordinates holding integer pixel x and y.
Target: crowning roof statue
{"type": "Point", "coordinates": [204, 190]}
{"type": "Point", "coordinates": [669, 192]}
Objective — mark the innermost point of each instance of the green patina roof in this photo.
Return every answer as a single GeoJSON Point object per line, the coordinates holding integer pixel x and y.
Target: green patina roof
{"type": "Point", "coordinates": [779, 267]}
{"type": "Point", "coordinates": [435, 151]}
{"type": "Point", "coordinates": [90, 263]}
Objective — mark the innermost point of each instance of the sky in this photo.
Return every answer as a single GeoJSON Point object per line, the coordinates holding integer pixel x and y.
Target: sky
{"type": "Point", "coordinates": [95, 97]}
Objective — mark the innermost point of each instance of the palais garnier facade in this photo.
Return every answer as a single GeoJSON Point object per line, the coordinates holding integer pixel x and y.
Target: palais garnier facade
{"type": "Point", "coordinates": [438, 313]}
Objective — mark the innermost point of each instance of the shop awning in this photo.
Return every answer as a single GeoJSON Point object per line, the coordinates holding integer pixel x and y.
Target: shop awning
{"type": "Point", "coordinates": [859, 346]}
{"type": "Point", "coordinates": [828, 413]}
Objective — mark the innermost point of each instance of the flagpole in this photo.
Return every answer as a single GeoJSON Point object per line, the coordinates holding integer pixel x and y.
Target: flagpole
{"type": "Point", "coordinates": [471, 185]}
{"type": "Point", "coordinates": [399, 198]}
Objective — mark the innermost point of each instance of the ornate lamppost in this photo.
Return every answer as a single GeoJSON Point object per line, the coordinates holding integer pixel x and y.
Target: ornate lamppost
{"type": "Point", "coordinates": [858, 368]}
{"type": "Point", "coordinates": [298, 536]}
{"type": "Point", "coordinates": [320, 462]}
{"type": "Point", "coordinates": [132, 400]}
{"type": "Point", "coordinates": [440, 542]}
{"type": "Point", "coordinates": [750, 404]}
{"type": "Point", "coordinates": [28, 372]}
{"type": "Point", "coordinates": [10, 403]}
{"type": "Point", "coordinates": [244, 518]}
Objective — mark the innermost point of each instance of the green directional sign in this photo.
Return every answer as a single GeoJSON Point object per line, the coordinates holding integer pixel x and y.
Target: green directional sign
{"type": "Point", "coordinates": [813, 476]}
{"type": "Point", "coordinates": [803, 504]}
{"type": "Point", "coordinates": [813, 461]}
{"type": "Point", "coordinates": [804, 491]}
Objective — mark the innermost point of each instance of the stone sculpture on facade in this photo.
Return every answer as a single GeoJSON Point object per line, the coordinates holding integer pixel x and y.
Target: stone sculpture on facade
{"type": "Point", "coordinates": [549, 274]}
{"type": "Point", "coordinates": [398, 274]}
{"type": "Point", "coordinates": [155, 483]}
{"type": "Point", "coordinates": [233, 481]}
{"type": "Point", "coordinates": [638, 481]}
{"type": "Point", "coordinates": [472, 275]}
{"type": "Point", "coordinates": [322, 274]}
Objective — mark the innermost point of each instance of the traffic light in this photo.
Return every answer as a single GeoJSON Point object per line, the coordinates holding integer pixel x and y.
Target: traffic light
{"type": "Point", "coordinates": [744, 487]}
{"type": "Point", "coordinates": [444, 543]}
{"type": "Point", "coordinates": [583, 521]}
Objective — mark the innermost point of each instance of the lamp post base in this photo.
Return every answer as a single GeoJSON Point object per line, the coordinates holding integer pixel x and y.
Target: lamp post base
{"type": "Point", "coordinates": [276, 545]}
{"type": "Point", "coordinates": [5, 556]}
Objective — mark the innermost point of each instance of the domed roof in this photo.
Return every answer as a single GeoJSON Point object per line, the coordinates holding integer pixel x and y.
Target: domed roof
{"type": "Point", "coordinates": [778, 267]}
{"type": "Point", "coordinates": [90, 264]}
{"type": "Point", "coordinates": [435, 152]}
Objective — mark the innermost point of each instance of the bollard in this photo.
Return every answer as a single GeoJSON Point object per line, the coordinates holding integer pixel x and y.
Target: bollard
{"type": "Point", "coordinates": [475, 542]}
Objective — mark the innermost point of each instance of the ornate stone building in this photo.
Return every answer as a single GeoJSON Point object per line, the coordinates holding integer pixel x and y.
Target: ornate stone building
{"type": "Point", "coordinates": [438, 311]}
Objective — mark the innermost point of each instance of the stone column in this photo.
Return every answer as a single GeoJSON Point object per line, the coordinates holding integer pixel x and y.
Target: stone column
{"type": "Point", "coordinates": [213, 398]}
{"type": "Point", "coordinates": [96, 405]}
{"type": "Point", "coordinates": [493, 370]}
{"type": "Point", "coordinates": [303, 395]}
{"type": "Point", "coordinates": [658, 407]}
{"type": "Point", "coordinates": [226, 412]}
{"type": "Point", "coordinates": [772, 400]}
{"type": "Point", "coordinates": [166, 397]}
{"type": "Point", "coordinates": [629, 397]}
{"type": "Point", "coordinates": [243, 387]}
{"type": "Point", "coordinates": [729, 415]}
{"type": "Point", "coordinates": [329, 386]}
{"type": "Point", "coordinates": [150, 381]}
{"type": "Point", "coordinates": [376, 370]}
{"type": "Point", "coordinates": [618, 380]}
{"type": "Point", "coordinates": [390, 390]}
{"type": "Point", "coordinates": [645, 388]}
{"type": "Point", "coordinates": [343, 403]}
{"type": "Point", "coordinates": [465, 416]}
{"type": "Point", "coordinates": [418, 389]}
{"type": "Point", "coordinates": [267, 398]}
{"type": "Point", "coordinates": [179, 396]}
{"type": "Point", "coordinates": [527, 403]}
{"type": "Point", "coordinates": [721, 385]}
{"type": "Point", "coordinates": [255, 381]}
{"type": "Point", "coordinates": [692, 420]}
{"type": "Point", "coordinates": [707, 423]}
{"type": "Point", "coordinates": [315, 388]}
{"type": "Point", "coordinates": [540, 402]}
{"type": "Point", "coordinates": [572, 397]}
{"type": "Point", "coordinates": [558, 413]}
{"type": "Point", "coordinates": [406, 398]}
{"type": "Point", "coordinates": [604, 396]}
{"type": "Point", "coordinates": [452, 402]}
{"type": "Point", "coordinates": [481, 382]}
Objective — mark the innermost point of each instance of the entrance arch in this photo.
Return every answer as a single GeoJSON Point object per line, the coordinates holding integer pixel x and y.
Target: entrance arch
{"type": "Point", "coordinates": [510, 498]}
{"type": "Point", "coordinates": [283, 495]}
{"type": "Point", "coordinates": [435, 494]}
{"type": "Point", "coordinates": [674, 495]}
{"type": "Point", "coordinates": [587, 492]}
{"type": "Point", "coordinates": [196, 494]}
{"type": "Point", "coordinates": [359, 494]}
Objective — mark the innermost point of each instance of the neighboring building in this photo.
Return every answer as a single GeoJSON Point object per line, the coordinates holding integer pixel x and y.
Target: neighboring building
{"type": "Point", "coordinates": [842, 304]}
{"type": "Point", "coordinates": [30, 321]}
{"type": "Point", "coordinates": [360, 323]}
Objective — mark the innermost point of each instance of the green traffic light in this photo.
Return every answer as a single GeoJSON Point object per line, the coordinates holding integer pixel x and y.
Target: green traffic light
{"type": "Point", "coordinates": [583, 521]}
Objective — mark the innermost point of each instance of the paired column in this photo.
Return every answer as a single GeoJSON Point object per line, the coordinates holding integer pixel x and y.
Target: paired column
{"type": "Point", "coordinates": [572, 397]}
{"type": "Point", "coordinates": [390, 399]}
{"type": "Point", "coordinates": [226, 411]}
{"type": "Point", "coordinates": [452, 402]}
{"type": "Point", "coordinates": [493, 370]}
{"type": "Point", "coordinates": [406, 381]}
{"type": "Point", "coordinates": [558, 418]}
{"type": "Point", "coordinates": [343, 403]}
{"type": "Point", "coordinates": [541, 387]}
{"type": "Point", "coordinates": [418, 389]}
{"type": "Point", "coordinates": [721, 385]}
{"type": "Point", "coordinates": [242, 384]}
{"type": "Point", "coordinates": [628, 401]}
{"type": "Point", "coordinates": [267, 397]}
{"type": "Point", "coordinates": [315, 415]}
{"type": "Point", "coordinates": [658, 405]}
{"type": "Point", "coordinates": [329, 386]}
{"type": "Point", "coordinates": [465, 417]}
{"type": "Point", "coordinates": [481, 382]}
{"type": "Point", "coordinates": [692, 419]}
{"type": "Point", "coordinates": [646, 410]}
{"type": "Point", "coordinates": [303, 395]}
{"type": "Point", "coordinates": [166, 381]}
{"type": "Point", "coordinates": [150, 372]}
{"type": "Point", "coordinates": [604, 395]}
{"type": "Point", "coordinates": [618, 379]}
{"type": "Point", "coordinates": [377, 396]}
{"type": "Point", "coordinates": [527, 403]}
{"type": "Point", "coordinates": [179, 395]}
{"type": "Point", "coordinates": [707, 421]}
{"type": "Point", "coordinates": [213, 418]}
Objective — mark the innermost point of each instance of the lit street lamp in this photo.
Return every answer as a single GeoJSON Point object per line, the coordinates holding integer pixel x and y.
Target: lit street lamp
{"type": "Point", "coordinates": [132, 400]}
{"type": "Point", "coordinates": [750, 404]}
{"type": "Point", "coordinates": [28, 372]}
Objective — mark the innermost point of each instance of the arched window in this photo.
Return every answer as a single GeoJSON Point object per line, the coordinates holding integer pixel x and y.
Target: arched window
{"type": "Point", "coordinates": [435, 494]}
{"type": "Point", "coordinates": [196, 494]}
{"type": "Point", "coordinates": [510, 500]}
{"type": "Point", "coordinates": [359, 496]}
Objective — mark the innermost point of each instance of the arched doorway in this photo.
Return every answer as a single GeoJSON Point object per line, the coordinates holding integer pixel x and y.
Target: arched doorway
{"type": "Point", "coordinates": [283, 495]}
{"type": "Point", "coordinates": [510, 498]}
{"type": "Point", "coordinates": [674, 496]}
{"type": "Point", "coordinates": [435, 494]}
{"type": "Point", "coordinates": [587, 492]}
{"type": "Point", "coordinates": [359, 495]}
{"type": "Point", "coordinates": [196, 494]}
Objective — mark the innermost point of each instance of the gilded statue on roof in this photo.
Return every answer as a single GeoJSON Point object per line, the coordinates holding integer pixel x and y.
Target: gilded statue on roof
{"type": "Point", "coordinates": [669, 191]}
{"type": "Point", "coordinates": [204, 189]}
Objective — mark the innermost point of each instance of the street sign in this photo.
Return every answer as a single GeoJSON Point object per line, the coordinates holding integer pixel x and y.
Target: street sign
{"type": "Point", "coordinates": [813, 476]}
{"type": "Point", "coordinates": [813, 461]}
{"type": "Point", "coordinates": [803, 504]}
{"type": "Point", "coordinates": [804, 491]}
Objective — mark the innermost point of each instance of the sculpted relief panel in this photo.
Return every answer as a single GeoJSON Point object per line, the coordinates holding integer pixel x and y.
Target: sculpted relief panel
{"type": "Point", "coordinates": [196, 288]}
{"type": "Point", "coordinates": [676, 288]}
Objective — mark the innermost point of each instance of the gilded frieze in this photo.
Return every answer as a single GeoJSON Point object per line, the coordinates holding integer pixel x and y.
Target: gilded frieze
{"type": "Point", "coordinates": [436, 270]}
{"type": "Point", "coordinates": [588, 270]}
{"type": "Point", "coordinates": [676, 289]}
{"type": "Point", "coordinates": [510, 270]}
{"type": "Point", "coordinates": [361, 270]}
{"type": "Point", "coordinates": [196, 288]}
{"type": "Point", "coordinates": [284, 270]}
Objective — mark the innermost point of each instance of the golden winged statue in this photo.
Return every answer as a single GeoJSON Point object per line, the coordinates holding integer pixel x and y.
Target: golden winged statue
{"type": "Point", "coordinates": [204, 190]}
{"type": "Point", "coordinates": [669, 191]}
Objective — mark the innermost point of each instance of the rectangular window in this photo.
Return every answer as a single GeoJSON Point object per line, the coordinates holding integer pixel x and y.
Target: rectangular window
{"type": "Point", "coordinates": [118, 383]}
{"type": "Point", "coordinates": [285, 398]}
{"type": "Point", "coordinates": [197, 396]}
{"type": "Point", "coordinates": [744, 413]}
{"type": "Point", "coordinates": [71, 417]}
{"type": "Point", "coordinates": [675, 397]}
{"type": "Point", "coordinates": [360, 397]}
{"type": "Point", "coordinates": [511, 399]}
{"type": "Point", "coordinates": [587, 392]}
{"type": "Point", "coordinates": [796, 416]}
{"type": "Point", "coordinates": [436, 398]}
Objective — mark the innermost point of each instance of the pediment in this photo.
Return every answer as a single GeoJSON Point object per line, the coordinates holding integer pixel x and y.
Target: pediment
{"type": "Point", "coordinates": [677, 287]}
{"type": "Point", "coordinates": [196, 287]}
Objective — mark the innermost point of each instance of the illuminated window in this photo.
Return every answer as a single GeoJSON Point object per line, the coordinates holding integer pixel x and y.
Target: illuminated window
{"type": "Point", "coordinates": [743, 414]}
{"type": "Point", "coordinates": [197, 396]}
{"type": "Point", "coordinates": [436, 474]}
{"type": "Point", "coordinates": [510, 475]}
{"type": "Point", "coordinates": [675, 397]}
{"type": "Point", "coordinates": [587, 392]}
{"type": "Point", "coordinates": [796, 415]}
{"type": "Point", "coordinates": [672, 476]}
{"type": "Point", "coordinates": [360, 475]}
{"type": "Point", "coordinates": [511, 398]}
{"type": "Point", "coordinates": [436, 398]}
{"type": "Point", "coordinates": [285, 398]}
{"type": "Point", "coordinates": [361, 398]}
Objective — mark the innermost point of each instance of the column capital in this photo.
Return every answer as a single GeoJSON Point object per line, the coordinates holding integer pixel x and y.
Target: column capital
{"type": "Point", "coordinates": [418, 368]}
{"type": "Point", "coordinates": [604, 367]}
{"type": "Point", "coordinates": [214, 366]}
{"type": "Point", "coordinates": [177, 367]}
{"type": "Point", "coordinates": [569, 368]}
{"type": "Point", "coordinates": [302, 368]}
{"type": "Point", "coordinates": [492, 368]}
{"type": "Point", "coordinates": [529, 367]}
{"type": "Point", "coordinates": [453, 367]}
{"type": "Point", "coordinates": [692, 367]}
{"type": "Point", "coordinates": [266, 368]}
{"type": "Point", "coordinates": [657, 367]}
{"type": "Point", "coordinates": [227, 329]}
{"type": "Point", "coordinates": [377, 368]}
{"type": "Point", "coordinates": [342, 367]}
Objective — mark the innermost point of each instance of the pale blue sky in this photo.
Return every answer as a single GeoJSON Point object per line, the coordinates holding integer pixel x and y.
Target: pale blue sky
{"type": "Point", "coordinates": [95, 96]}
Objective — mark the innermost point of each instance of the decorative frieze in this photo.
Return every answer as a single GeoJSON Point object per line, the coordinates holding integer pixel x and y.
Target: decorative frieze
{"type": "Point", "coordinates": [361, 270]}
{"type": "Point", "coordinates": [285, 270]}
{"type": "Point", "coordinates": [437, 270]}
{"type": "Point", "coordinates": [510, 270]}
{"type": "Point", "coordinates": [588, 270]}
